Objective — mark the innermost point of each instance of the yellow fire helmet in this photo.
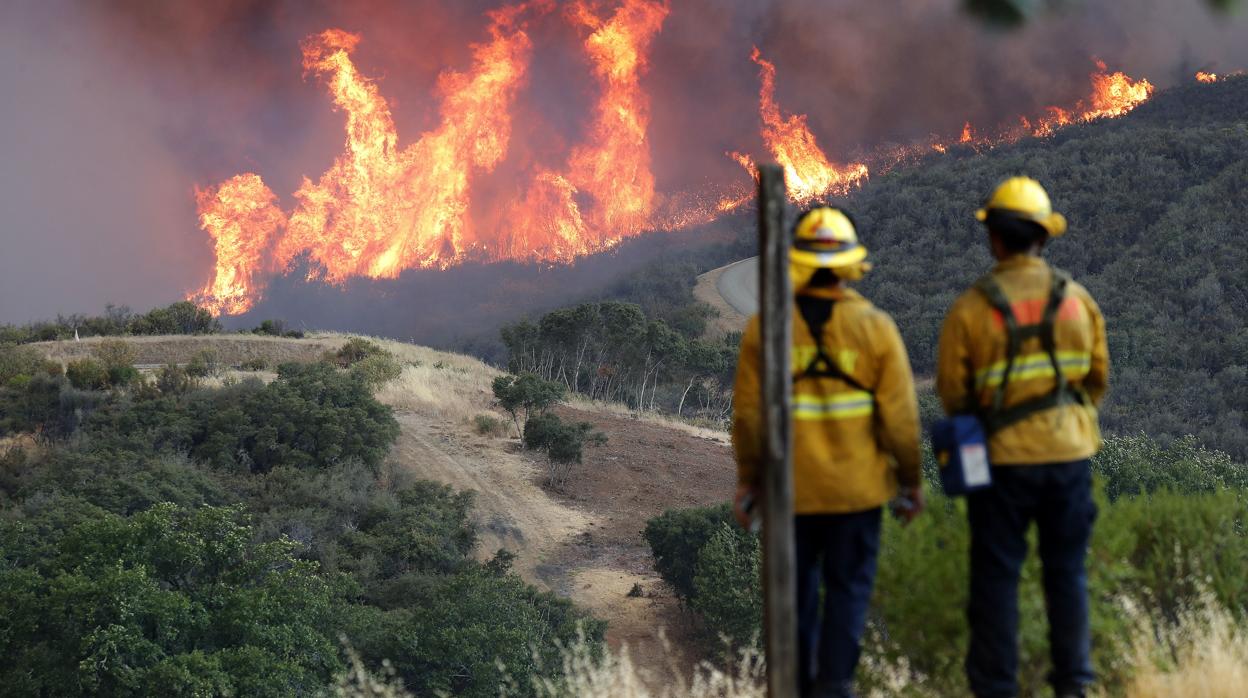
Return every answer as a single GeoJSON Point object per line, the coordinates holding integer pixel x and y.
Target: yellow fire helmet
{"type": "Point", "coordinates": [825, 239]}
{"type": "Point", "coordinates": [1024, 198]}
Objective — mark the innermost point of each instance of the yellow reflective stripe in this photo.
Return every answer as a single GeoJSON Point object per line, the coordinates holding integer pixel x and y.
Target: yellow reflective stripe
{"type": "Point", "coordinates": [1028, 366]}
{"type": "Point", "coordinates": [856, 403]}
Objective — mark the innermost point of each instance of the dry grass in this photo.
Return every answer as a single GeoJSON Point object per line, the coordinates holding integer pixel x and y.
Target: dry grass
{"type": "Point", "coordinates": [693, 429]}
{"type": "Point", "coordinates": [232, 349]}
{"type": "Point", "coordinates": [1204, 654]}
{"type": "Point", "coordinates": [438, 384]}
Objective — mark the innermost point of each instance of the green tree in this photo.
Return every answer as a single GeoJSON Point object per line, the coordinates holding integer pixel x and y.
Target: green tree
{"type": "Point", "coordinates": [526, 394]}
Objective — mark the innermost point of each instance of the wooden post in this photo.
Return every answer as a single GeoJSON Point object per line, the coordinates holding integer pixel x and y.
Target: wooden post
{"type": "Point", "coordinates": [775, 307]}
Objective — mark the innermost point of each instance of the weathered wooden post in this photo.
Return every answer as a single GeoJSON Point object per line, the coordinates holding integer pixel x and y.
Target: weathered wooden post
{"type": "Point", "coordinates": [775, 307]}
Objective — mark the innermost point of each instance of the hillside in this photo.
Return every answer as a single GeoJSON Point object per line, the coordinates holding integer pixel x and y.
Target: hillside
{"type": "Point", "coordinates": [581, 541]}
{"type": "Point", "coordinates": [1157, 211]}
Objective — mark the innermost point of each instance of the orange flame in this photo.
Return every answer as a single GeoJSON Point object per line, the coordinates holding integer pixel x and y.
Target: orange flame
{"type": "Point", "coordinates": [611, 171]}
{"type": "Point", "coordinates": [1113, 94]}
{"type": "Point", "coordinates": [380, 210]}
{"type": "Point", "coordinates": [807, 172]}
{"type": "Point", "coordinates": [1202, 76]}
{"type": "Point", "coordinates": [968, 134]}
{"type": "Point", "coordinates": [242, 217]}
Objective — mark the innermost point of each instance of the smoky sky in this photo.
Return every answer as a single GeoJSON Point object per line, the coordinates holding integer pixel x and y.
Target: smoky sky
{"type": "Point", "coordinates": [112, 113]}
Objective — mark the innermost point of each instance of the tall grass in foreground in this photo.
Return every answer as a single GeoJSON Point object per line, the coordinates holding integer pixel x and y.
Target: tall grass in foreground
{"type": "Point", "coordinates": [1202, 653]}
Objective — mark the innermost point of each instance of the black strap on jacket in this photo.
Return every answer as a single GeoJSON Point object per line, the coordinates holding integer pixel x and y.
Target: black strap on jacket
{"type": "Point", "coordinates": [815, 313]}
{"type": "Point", "coordinates": [998, 416]}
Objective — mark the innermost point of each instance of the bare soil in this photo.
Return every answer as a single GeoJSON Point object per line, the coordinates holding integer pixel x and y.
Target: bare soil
{"type": "Point", "coordinates": [643, 470]}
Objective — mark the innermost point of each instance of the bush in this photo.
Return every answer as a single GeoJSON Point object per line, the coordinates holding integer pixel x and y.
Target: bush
{"type": "Point", "coordinates": [489, 425]}
{"type": "Point", "coordinates": [675, 538]}
{"type": "Point", "coordinates": [123, 376]}
{"type": "Point", "coordinates": [355, 350]}
{"type": "Point", "coordinates": [1137, 464]}
{"type": "Point", "coordinates": [527, 395]}
{"type": "Point", "coordinates": [377, 370]}
{"type": "Point", "coordinates": [18, 362]}
{"type": "Point", "coordinates": [204, 364]}
{"type": "Point", "coordinates": [115, 353]}
{"type": "Point", "coordinates": [165, 602]}
{"type": "Point", "coordinates": [173, 380]}
{"type": "Point", "coordinates": [727, 584]}
{"type": "Point", "coordinates": [1156, 552]}
{"type": "Point", "coordinates": [276, 328]}
{"type": "Point", "coordinates": [183, 317]}
{"type": "Point", "coordinates": [87, 374]}
{"type": "Point", "coordinates": [563, 443]}
{"type": "Point", "coordinates": [256, 363]}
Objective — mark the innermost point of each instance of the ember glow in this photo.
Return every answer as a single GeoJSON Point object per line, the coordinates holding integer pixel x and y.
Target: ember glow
{"type": "Point", "coordinates": [382, 209]}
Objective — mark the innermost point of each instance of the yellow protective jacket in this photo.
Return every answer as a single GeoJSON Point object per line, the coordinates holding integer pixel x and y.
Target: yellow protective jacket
{"type": "Point", "coordinates": [850, 448]}
{"type": "Point", "coordinates": [972, 357]}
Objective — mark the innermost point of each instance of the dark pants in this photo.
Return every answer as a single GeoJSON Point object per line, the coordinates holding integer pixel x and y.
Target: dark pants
{"type": "Point", "coordinates": [1058, 498]}
{"type": "Point", "coordinates": [840, 550]}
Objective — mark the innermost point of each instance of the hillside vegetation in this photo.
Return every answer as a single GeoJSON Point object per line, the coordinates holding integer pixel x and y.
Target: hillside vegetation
{"type": "Point", "coordinates": [1157, 212]}
{"type": "Point", "coordinates": [203, 532]}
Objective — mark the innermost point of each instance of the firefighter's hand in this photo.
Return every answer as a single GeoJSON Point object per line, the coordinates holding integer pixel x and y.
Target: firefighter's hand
{"type": "Point", "coordinates": [743, 504]}
{"type": "Point", "coordinates": [909, 504]}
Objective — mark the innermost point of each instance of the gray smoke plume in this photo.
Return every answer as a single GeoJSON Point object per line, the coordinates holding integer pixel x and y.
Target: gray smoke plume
{"type": "Point", "coordinates": [111, 114]}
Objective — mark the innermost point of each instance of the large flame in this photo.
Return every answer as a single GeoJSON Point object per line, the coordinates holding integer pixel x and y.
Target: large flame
{"type": "Point", "coordinates": [242, 217]}
{"type": "Point", "coordinates": [380, 210]}
{"type": "Point", "coordinates": [1202, 76]}
{"type": "Point", "coordinates": [611, 170]}
{"type": "Point", "coordinates": [808, 173]}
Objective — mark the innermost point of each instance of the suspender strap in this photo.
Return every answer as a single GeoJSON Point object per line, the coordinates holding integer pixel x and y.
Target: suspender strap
{"type": "Point", "coordinates": [998, 416]}
{"type": "Point", "coordinates": [816, 312]}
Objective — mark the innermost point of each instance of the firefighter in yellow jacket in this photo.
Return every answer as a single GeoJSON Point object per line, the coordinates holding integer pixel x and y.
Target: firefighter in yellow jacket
{"type": "Point", "coordinates": [855, 439]}
{"type": "Point", "coordinates": [1024, 349]}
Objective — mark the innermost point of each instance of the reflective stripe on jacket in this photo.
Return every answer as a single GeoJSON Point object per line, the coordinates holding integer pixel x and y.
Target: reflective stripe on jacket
{"type": "Point", "coordinates": [850, 447]}
{"type": "Point", "coordinates": [972, 359]}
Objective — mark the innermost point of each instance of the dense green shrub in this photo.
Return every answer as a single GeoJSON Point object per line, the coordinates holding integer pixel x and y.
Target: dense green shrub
{"type": "Point", "coordinates": [1156, 552]}
{"type": "Point", "coordinates": [167, 602]}
{"type": "Point", "coordinates": [335, 536]}
{"type": "Point", "coordinates": [727, 588]}
{"type": "Point", "coordinates": [563, 442]}
{"type": "Point", "coordinates": [183, 317]}
{"type": "Point", "coordinates": [675, 537]}
{"type": "Point", "coordinates": [87, 374]}
{"type": "Point", "coordinates": [355, 349]}
{"type": "Point", "coordinates": [1137, 464]}
{"type": "Point", "coordinates": [377, 370]}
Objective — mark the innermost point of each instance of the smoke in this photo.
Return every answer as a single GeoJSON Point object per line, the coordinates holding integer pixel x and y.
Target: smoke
{"type": "Point", "coordinates": [113, 114]}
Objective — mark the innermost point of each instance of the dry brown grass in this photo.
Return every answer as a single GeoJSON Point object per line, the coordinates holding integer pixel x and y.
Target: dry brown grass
{"type": "Point", "coordinates": [693, 429]}
{"type": "Point", "coordinates": [1204, 654]}
{"type": "Point", "coordinates": [232, 349]}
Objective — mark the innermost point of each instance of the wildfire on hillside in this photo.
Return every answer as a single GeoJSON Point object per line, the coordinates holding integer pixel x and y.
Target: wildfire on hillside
{"type": "Point", "coordinates": [382, 208]}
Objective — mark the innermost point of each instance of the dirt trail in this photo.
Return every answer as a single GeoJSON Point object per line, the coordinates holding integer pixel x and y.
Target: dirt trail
{"type": "Point", "coordinates": [512, 511]}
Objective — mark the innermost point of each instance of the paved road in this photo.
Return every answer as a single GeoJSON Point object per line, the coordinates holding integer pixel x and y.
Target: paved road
{"type": "Point", "coordinates": [738, 284]}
